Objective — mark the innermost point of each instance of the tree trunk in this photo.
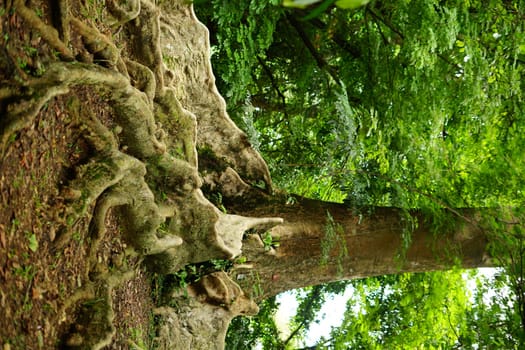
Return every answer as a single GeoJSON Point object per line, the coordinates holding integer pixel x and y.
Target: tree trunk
{"type": "Point", "coordinates": [320, 242]}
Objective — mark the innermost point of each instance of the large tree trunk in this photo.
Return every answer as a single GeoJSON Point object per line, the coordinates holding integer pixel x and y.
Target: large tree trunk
{"type": "Point", "coordinates": [320, 242]}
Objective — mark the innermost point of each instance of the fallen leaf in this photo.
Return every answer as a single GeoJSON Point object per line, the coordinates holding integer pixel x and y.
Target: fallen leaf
{"type": "Point", "coordinates": [33, 242]}
{"type": "Point", "coordinates": [2, 236]}
{"type": "Point", "coordinates": [52, 233]}
{"type": "Point", "coordinates": [36, 293]}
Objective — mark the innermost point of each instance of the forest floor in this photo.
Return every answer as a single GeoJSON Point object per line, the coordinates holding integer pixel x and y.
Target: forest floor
{"type": "Point", "coordinates": [37, 281]}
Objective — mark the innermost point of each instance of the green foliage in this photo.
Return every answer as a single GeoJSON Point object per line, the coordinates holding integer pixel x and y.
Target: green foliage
{"type": "Point", "coordinates": [32, 241]}
{"type": "Point", "coordinates": [406, 311]}
{"type": "Point", "coordinates": [350, 4]}
{"type": "Point", "coordinates": [344, 4]}
{"type": "Point", "coordinates": [244, 30]}
{"type": "Point", "coordinates": [194, 272]}
{"type": "Point", "coordinates": [412, 104]}
{"type": "Point", "coordinates": [494, 320]}
{"type": "Point", "coordinates": [269, 241]}
{"type": "Point", "coordinates": [333, 243]}
{"type": "Point", "coordinates": [310, 301]}
{"type": "Point", "coordinates": [246, 332]}
{"type": "Point", "coordinates": [423, 110]}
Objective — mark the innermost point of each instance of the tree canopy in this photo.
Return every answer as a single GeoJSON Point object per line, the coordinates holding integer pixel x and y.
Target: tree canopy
{"type": "Point", "coordinates": [389, 103]}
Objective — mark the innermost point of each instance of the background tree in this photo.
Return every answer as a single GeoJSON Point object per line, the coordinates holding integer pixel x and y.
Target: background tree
{"type": "Point", "coordinates": [406, 104]}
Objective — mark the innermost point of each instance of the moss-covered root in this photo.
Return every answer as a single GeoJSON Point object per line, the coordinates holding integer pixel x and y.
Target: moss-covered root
{"type": "Point", "coordinates": [182, 123]}
{"type": "Point", "coordinates": [103, 50]}
{"type": "Point", "coordinates": [185, 41]}
{"type": "Point", "coordinates": [133, 110]}
{"type": "Point", "coordinates": [142, 219]}
{"type": "Point", "coordinates": [123, 11]}
{"type": "Point", "coordinates": [141, 216]}
{"type": "Point", "coordinates": [231, 228]}
{"type": "Point", "coordinates": [61, 7]}
{"type": "Point", "coordinates": [93, 179]}
{"type": "Point", "coordinates": [206, 233]}
{"type": "Point", "coordinates": [142, 78]}
{"type": "Point", "coordinates": [24, 108]}
{"type": "Point", "coordinates": [201, 317]}
{"type": "Point", "coordinates": [94, 327]}
{"type": "Point", "coordinates": [47, 32]}
{"type": "Point", "coordinates": [145, 41]}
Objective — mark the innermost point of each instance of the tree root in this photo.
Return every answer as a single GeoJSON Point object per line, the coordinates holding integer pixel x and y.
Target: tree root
{"type": "Point", "coordinates": [201, 317]}
{"type": "Point", "coordinates": [145, 41]}
{"type": "Point", "coordinates": [142, 78]}
{"type": "Point", "coordinates": [94, 328]}
{"type": "Point", "coordinates": [47, 32]}
{"type": "Point", "coordinates": [22, 113]}
{"type": "Point", "coordinates": [121, 14]}
{"type": "Point", "coordinates": [62, 8]}
{"type": "Point", "coordinates": [147, 171]}
{"type": "Point", "coordinates": [104, 50]}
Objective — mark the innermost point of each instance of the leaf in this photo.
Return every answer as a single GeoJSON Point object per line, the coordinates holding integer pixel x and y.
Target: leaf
{"type": "Point", "coordinates": [351, 4]}
{"type": "Point", "coordinates": [318, 10]}
{"type": "Point", "coordinates": [2, 236]}
{"type": "Point", "coordinates": [33, 243]}
{"type": "Point", "coordinates": [298, 3]}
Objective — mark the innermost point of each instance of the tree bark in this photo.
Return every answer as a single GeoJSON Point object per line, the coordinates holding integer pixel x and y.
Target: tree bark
{"type": "Point", "coordinates": [320, 242]}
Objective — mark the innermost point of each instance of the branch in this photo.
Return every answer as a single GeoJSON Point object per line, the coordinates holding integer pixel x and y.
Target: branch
{"type": "Point", "coordinates": [321, 63]}
{"type": "Point", "coordinates": [401, 35]}
{"type": "Point", "coordinates": [342, 43]}
{"type": "Point", "coordinates": [294, 333]}
{"type": "Point", "coordinates": [273, 82]}
{"type": "Point", "coordinates": [307, 312]}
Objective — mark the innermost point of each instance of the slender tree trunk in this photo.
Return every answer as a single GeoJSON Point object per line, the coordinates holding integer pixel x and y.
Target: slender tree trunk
{"type": "Point", "coordinates": [320, 242]}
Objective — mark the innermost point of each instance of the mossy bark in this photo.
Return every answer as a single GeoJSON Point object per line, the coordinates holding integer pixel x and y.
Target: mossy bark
{"type": "Point", "coordinates": [321, 242]}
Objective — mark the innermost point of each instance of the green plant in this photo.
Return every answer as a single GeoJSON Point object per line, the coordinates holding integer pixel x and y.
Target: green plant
{"type": "Point", "coordinates": [23, 64]}
{"type": "Point", "coordinates": [26, 272]}
{"type": "Point", "coordinates": [31, 51]}
{"type": "Point", "coordinates": [240, 260]}
{"type": "Point", "coordinates": [182, 278]}
{"type": "Point", "coordinates": [137, 337]}
{"type": "Point", "coordinates": [333, 243]}
{"type": "Point", "coordinates": [216, 198]}
{"type": "Point", "coordinates": [32, 241]}
{"type": "Point", "coordinates": [269, 241]}
{"type": "Point", "coordinates": [77, 236]}
{"type": "Point", "coordinates": [221, 264]}
{"type": "Point", "coordinates": [256, 287]}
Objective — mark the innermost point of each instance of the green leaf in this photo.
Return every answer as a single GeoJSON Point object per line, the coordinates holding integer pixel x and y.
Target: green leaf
{"type": "Point", "coordinates": [33, 243]}
{"type": "Point", "coordinates": [298, 3]}
{"type": "Point", "coordinates": [318, 10]}
{"type": "Point", "coordinates": [351, 4]}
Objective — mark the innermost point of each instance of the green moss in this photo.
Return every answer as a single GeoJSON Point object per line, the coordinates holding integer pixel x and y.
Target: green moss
{"type": "Point", "coordinates": [210, 161]}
